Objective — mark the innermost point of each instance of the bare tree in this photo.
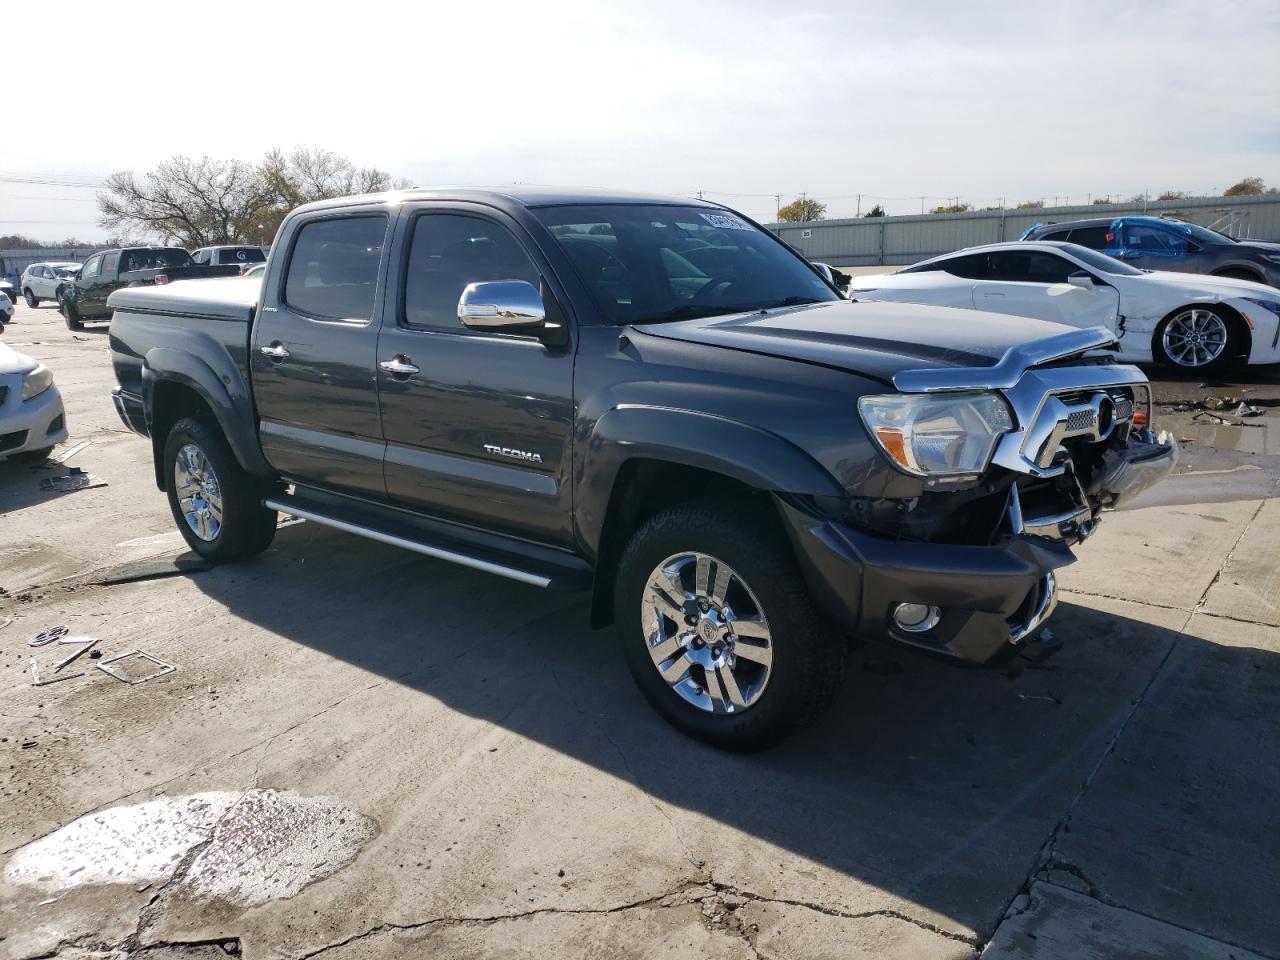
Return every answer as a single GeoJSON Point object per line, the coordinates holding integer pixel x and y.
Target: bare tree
{"type": "Point", "coordinates": [206, 201]}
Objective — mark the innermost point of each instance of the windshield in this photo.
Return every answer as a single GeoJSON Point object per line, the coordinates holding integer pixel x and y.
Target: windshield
{"type": "Point", "coordinates": [1204, 234]}
{"type": "Point", "coordinates": [64, 273]}
{"type": "Point", "coordinates": [1100, 261]}
{"type": "Point", "coordinates": [160, 258]}
{"type": "Point", "coordinates": [645, 263]}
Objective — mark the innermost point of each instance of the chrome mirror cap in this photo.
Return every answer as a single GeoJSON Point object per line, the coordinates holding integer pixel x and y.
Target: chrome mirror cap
{"type": "Point", "coordinates": [513, 306]}
{"type": "Point", "coordinates": [1081, 279]}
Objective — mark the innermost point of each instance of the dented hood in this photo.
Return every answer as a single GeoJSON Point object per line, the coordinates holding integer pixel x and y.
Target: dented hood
{"type": "Point", "coordinates": [1209, 288]}
{"type": "Point", "coordinates": [873, 338]}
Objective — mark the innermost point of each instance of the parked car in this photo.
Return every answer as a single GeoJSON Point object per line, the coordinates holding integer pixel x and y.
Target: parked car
{"type": "Point", "coordinates": [85, 297]}
{"type": "Point", "coordinates": [1189, 322]}
{"type": "Point", "coordinates": [41, 281]}
{"type": "Point", "coordinates": [6, 312]}
{"type": "Point", "coordinates": [237, 254]}
{"type": "Point", "coordinates": [652, 399]}
{"type": "Point", "coordinates": [253, 270]}
{"type": "Point", "coordinates": [1158, 243]}
{"type": "Point", "coordinates": [32, 420]}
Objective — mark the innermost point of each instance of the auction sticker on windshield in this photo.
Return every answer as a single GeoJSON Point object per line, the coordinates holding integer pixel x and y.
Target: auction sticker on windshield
{"type": "Point", "coordinates": [725, 221]}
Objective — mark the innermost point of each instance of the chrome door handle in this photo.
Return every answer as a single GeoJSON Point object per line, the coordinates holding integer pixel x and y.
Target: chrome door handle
{"type": "Point", "coordinates": [399, 366]}
{"type": "Point", "coordinates": [994, 296]}
{"type": "Point", "coordinates": [275, 350]}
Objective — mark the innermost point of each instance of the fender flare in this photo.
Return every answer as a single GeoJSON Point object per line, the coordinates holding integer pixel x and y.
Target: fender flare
{"type": "Point", "coordinates": [226, 395]}
{"type": "Point", "coordinates": [748, 454]}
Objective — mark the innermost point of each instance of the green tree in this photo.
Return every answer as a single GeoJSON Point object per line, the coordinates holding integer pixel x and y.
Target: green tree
{"type": "Point", "coordinates": [1172, 195]}
{"type": "Point", "coordinates": [1101, 201]}
{"type": "Point", "coordinates": [1248, 187]}
{"type": "Point", "coordinates": [802, 210]}
{"type": "Point", "coordinates": [951, 208]}
{"type": "Point", "coordinates": [1030, 205]}
{"type": "Point", "coordinates": [876, 211]}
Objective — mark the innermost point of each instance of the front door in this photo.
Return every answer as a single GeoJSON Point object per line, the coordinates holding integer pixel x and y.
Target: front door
{"type": "Point", "coordinates": [1154, 246]}
{"type": "Point", "coordinates": [477, 424]}
{"type": "Point", "coordinates": [84, 284]}
{"type": "Point", "coordinates": [313, 354]}
{"type": "Point", "coordinates": [1033, 283]}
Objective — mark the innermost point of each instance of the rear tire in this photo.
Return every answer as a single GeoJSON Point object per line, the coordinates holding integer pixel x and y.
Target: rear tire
{"type": "Point", "coordinates": [762, 586]}
{"type": "Point", "coordinates": [1240, 275]}
{"type": "Point", "coordinates": [32, 300]}
{"type": "Point", "coordinates": [215, 503]}
{"type": "Point", "coordinates": [1175, 345]}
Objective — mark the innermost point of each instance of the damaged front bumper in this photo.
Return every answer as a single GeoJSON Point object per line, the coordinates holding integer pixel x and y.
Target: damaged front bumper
{"type": "Point", "coordinates": [984, 599]}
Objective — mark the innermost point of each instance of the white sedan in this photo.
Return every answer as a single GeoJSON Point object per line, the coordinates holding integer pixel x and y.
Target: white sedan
{"type": "Point", "coordinates": [32, 420]}
{"type": "Point", "coordinates": [1184, 320]}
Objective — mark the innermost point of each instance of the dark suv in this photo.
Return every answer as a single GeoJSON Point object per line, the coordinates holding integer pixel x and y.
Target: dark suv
{"type": "Point", "coordinates": [1160, 244]}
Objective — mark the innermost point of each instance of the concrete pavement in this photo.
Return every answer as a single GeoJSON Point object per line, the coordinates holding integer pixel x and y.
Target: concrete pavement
{"type": "Point", "coordinates": [1115, 801]}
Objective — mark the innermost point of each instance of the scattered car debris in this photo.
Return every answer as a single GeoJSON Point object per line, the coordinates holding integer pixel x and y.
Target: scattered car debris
{"type": "Point", "coordinates": [115, 667]}
{"type": "Point", "coordinates": [76, 479]}
{"type": "Point", "coordinates": [39, 681]}
{"type": "Point", "coordinates": [1204, 417]}
{"type": "Point", "coordinates": [1244, 410]}
{"type": "Point", "coordinates": [89, 644]}
{"type": "Point", "coordinates": [70, 451]}
{"type": "Point", "coordinates": [48, 636]}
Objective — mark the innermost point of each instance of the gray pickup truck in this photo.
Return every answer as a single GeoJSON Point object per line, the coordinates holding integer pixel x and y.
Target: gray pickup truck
{"type": "Point", "coordinates": [653, 400]}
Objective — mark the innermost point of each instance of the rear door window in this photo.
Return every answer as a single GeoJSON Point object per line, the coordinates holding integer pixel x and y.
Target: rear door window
{"type": "Point", "coordinates": [333, 269]}
{"type": "Point", "coordinates": [109, 262]}
{"type": "Point", "coordinates": [1095, 238]}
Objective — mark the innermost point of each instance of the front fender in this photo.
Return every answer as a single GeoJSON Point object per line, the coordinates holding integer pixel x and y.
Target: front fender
{"type": "Point", "coordinates": [224, 391]}
{"type": "Point", "coordinates": [755, 457]}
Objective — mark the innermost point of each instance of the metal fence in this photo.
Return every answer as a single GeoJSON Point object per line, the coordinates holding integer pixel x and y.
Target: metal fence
{"type": "Point", "coordinates": [13, 262]}
{"type": "Point", "coordinates": [872, 241]}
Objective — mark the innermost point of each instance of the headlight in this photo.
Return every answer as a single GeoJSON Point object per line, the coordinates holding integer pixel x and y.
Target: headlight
{"type": "Point", "coordinates": [1272, 306]}
{"type": "Point", "coordinates": [937, 435]}
{"type": "Point", "coordinates": [36, 382]}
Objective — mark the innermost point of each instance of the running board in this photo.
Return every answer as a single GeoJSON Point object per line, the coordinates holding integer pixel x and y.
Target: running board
{"type": "Point", "coordinates": [449, 548]}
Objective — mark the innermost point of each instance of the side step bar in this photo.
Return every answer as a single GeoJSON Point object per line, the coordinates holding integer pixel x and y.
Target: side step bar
{"type": "Point", "coordinates": [451, 549]}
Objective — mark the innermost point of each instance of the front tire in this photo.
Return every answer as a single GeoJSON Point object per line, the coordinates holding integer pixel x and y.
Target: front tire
{"type": "Point", "coordinates": [718, 630]}
{"type": "Point", "coordinates": [72, 316]}
{"type": "Point", "coordinates": [216, 504]}
{"type": "Point", "coordinates": [1202, 339]}
{"type": "Point", "coordinates": [32, 300]}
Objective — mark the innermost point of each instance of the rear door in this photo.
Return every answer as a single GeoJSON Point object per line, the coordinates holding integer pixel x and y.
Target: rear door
{"type": "Point", "coordinates": [85, 283]}
{"type": "Point", "coordinates": [312, 355]}
{"type": "Point", "coordinates": [1033, 283]}
{"type": "Point", "coordinates": [480, 430]}
{"type": "Point", "coordinates": [1159, 247]}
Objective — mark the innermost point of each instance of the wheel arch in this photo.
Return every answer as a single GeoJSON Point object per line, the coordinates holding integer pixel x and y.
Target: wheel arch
{"type": "Point", "coordinates": [642, 460]}
{"type": "Point", "coordinates": [176, 384]}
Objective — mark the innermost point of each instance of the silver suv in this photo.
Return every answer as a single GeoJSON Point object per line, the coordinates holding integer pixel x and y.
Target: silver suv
{"type": "Point", "coordinates": [41, 281]}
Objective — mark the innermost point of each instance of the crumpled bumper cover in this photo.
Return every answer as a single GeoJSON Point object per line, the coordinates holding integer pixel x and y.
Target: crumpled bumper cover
{"type": "Point", "coordinates": [992, 597]}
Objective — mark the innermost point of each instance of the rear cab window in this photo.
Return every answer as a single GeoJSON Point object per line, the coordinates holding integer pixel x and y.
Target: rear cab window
{"type": "Point", "coordinates": [334, 265]}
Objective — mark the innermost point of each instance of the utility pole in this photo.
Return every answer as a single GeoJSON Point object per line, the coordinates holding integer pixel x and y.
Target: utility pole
{"type": "Point", "coordinates": [804, 210]}
{"type": "Point", "coordinates": [859, 205]}
{"type": "Point", "coordinates": [777, 206]}
{"type": "Point", "coordinates": [699, 194]}
{"type": "Point", "coordinates": [922, 206]}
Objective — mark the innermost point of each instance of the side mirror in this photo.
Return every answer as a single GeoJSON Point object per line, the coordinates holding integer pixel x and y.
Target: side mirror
{"type": "Point", "coordinates": [825, 269]}
{"type": "Point", "coordinates": [1081, 279]}
{"type": "Point", "coordinates": [502, 306]}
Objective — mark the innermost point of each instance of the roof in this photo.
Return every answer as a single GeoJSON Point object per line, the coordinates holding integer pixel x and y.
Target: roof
{"type": "Point", "coordinates": [517, 194]}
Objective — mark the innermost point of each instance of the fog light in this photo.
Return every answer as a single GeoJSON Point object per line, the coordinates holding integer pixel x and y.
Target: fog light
{"type": "Point", "coordinates": [916, 617]}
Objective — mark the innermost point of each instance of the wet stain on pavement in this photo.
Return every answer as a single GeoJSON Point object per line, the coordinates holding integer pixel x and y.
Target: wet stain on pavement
{"type": "Point", "coordinates": [242, 847]}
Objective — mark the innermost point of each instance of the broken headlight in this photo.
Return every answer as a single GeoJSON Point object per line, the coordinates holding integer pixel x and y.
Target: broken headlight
{"type": "Point", "coordinates": [937, 435]}
{"type": "Point", "coordinates": [36, 382]}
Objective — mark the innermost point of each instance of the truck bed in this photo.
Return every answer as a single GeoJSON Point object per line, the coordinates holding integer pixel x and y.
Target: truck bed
{"type": "Point", "coordinates": [224, 298]}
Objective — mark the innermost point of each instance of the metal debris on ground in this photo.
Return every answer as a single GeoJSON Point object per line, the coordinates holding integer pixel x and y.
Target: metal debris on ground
{"type": "Point", "coordinates": [1203, 417]}
{"type": "Point", "coordinates": [1244, 410]}
{"type": "Point", "coordinates": [109, 666]}
{"type": "Point", "coordinates": [38, 681]}
{"type": "Point", "coordinates": [48, 636]}
{"type": "Point", "coordinates": [76, 479]}
{"type": "Point", "coordinates": [71, 452]}
{"type": "Point", "coordinates": [89, 644]}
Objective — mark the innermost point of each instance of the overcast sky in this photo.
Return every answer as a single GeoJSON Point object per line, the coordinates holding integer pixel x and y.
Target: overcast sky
{"type": "Point", "coordinates": [736, 98]}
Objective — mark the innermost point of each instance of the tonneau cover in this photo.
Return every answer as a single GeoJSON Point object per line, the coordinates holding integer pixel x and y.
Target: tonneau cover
{"type": "Point", "coordinates": [221, 298]}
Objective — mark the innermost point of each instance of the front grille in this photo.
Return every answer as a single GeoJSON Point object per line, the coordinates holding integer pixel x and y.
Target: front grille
{"type": "Point", "coordinates": [1124, 408]}
{"type": "Point", "coordinates": [1080, 420]}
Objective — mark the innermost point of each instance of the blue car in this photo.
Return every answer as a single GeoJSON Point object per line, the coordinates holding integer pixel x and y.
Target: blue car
{"type": "Point", "coordinates": [1155, 243]}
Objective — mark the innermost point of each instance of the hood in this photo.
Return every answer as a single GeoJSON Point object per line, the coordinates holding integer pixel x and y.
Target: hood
{"type": "Point", "coordinates": [874, 338]}
{"type": "Point", "coordinates": [1263, 245]}
{"type": "Point", "coordinates": [11, 361]}
{"type": "Point", "coordinates": [1212, 288]}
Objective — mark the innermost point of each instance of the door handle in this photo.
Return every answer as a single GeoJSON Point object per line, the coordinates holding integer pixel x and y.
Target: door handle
{"type": "Point", "coordinates": [275, 351]}
{"type": "Point", "coordinates": [399, 366]}
{"type": "Point", "coordinates": [994, 296]}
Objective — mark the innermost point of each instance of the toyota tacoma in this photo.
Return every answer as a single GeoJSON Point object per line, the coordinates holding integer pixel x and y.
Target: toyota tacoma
{"type": "Point", "coordinates": [653, 400]}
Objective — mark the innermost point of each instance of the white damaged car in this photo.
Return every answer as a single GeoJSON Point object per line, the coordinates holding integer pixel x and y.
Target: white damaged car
{"type": "Point", "coordinates": [32, 420]}
{"type": "Point", "coordinates": [1185, 320]}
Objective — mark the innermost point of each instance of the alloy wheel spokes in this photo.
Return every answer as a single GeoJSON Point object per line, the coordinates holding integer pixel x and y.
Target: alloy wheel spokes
{"type": "Point", "coordinates": [707, 634]}
{"type": "Point", "coordinates": [198, 492]}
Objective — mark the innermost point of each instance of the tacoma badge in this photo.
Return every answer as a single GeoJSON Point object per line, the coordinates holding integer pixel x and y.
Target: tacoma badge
{"type": "Point", "coordinates": [514, 454]}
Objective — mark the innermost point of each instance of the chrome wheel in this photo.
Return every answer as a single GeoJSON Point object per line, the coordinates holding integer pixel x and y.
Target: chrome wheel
{"type": "Point", "coordinates": [1195, 338]}
{"type": "Point", "coordinates": [707, 634]}
{"type": "Point", "coordinates": [199, 495]}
